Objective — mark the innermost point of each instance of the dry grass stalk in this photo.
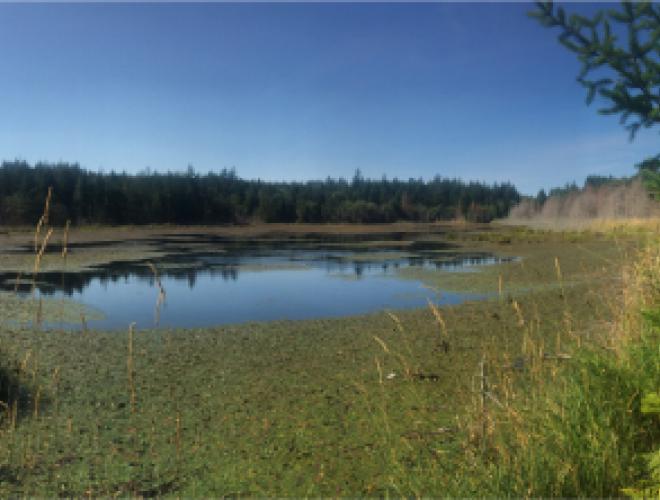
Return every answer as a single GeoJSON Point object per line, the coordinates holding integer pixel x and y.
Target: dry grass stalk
{"type": "Point", "coordinates": [65, 241]}
{"type": "Point", "coordinates": [519, 314]}
{"type": "Point", "coordinates": [397, 321]}
{"type": "Point", "coordinates": [402, 359]}
{"type": "Point", "coordinates": [39, 316]}
{"type": "Point", "coordinates": [47, 206]}
{"type": "Point", "coordinates": [483, 389]}
{"type": "Point", "coordinates": [43, 219]}
{"type": "Point", "coordinates": [14, 415]}
{"type": "Point", "coordinates": [130, 368]}
{"type": "Point", "coordinates": [42, 250]}
{"type": "Point", "coordinates": [83, 322]}
{"type": "Point", "coordinates": [55, 380]}
{"type": "Point", "coordinates": [161, 293]}
{"type": "Point", "coordinates": [37, 232]}
{"type": "Point", "coordinates": [178, 435]}
{"type": "Point", "coordinates": [24, 362]}
{"type": "Point", "coordinates": [559, 277]}
{"type": "Point", "coordinates": [37, 398]}
{"type": "Point", "coordinates": [383, 408]}
{"type": "Point", "coordinates": [382, 344]}
{"type": "Point", "coordinates": [380, 369]}
{"type": "Point", "coordinates": [438, 318]}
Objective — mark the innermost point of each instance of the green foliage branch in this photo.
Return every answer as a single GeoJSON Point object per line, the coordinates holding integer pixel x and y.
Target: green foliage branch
{"type": "Point", "coordinates": [632, 86]}
{"type": "Point", "coordinates": [625, 74]}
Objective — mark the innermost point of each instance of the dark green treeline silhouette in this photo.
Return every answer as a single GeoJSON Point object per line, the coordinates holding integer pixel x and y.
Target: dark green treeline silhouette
{"type": "Point", "coordinates": [83, 197]}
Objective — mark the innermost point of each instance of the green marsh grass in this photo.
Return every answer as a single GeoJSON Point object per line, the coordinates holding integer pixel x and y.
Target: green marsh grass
{"type": "Point", "coordinates": [577, 429]}
{"type": "Point", "coordinates": [310, 408]}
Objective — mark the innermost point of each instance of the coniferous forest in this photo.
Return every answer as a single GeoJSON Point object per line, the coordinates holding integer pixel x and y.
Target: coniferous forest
{"type": "Point", "coordinates": [84, 197]}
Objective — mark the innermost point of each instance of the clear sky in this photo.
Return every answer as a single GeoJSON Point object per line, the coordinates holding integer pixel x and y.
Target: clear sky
{"type": "Point", "coordinates": [304, 91]}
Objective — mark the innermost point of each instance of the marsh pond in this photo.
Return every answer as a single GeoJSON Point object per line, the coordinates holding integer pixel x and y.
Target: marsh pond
{"type": "Point", "coordinates": [198, 280]}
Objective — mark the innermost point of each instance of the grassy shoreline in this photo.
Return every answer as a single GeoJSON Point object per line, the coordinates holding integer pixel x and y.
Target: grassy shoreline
{"type": "Point", "coordinates": [298, 408]}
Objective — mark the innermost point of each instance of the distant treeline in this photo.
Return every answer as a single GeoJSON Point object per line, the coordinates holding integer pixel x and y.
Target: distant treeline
{"type": "Point", "coordinates": [83, 196]}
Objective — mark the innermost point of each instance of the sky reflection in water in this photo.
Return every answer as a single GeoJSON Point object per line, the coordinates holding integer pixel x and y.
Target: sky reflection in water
{"type": "Point", "coordinates": [205, 290]}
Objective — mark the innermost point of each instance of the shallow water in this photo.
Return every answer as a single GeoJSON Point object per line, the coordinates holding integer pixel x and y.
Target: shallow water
{"type": "Point", "coordinates": [241, 281]}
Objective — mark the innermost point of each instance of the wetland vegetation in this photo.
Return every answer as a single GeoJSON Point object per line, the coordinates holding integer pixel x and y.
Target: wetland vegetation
{"type": "Point", "coordinates": [375, 404]}
{"type": "Point", "coordinates": [393, 356]}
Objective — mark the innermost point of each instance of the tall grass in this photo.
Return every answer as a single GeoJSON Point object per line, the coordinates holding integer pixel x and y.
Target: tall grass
{"type": "Point", "coordinates": [579, 429]}
{"type": "Point", "coordinates": [566, 412]}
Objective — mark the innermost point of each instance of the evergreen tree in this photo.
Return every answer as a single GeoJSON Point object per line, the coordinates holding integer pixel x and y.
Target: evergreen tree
{"type": "Point", "coordinates": [625, 74]}
{"type": "Point", "coordinates": [193, 198]}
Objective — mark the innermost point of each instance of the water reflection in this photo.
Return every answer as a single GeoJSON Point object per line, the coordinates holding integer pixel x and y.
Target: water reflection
{"type": "Point", "coordinates": [256, 283]}
{"type": "Point", "coordinates": [189, 268]}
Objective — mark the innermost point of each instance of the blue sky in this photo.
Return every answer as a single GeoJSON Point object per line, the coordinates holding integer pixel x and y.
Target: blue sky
{"type": "Point", "coordinates": [303, 91]}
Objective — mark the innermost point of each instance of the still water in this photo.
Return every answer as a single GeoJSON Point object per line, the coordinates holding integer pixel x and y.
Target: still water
{"type": "Point", "coordinates": [256, 283]}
